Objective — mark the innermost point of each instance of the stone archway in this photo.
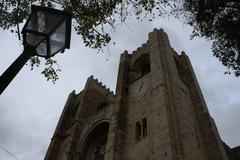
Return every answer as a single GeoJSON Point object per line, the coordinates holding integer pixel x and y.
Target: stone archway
{"type": "Point", "coordinates": [93, 147]}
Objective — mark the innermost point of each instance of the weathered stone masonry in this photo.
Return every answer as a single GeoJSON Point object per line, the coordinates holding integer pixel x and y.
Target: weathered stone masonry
{"type": "Point", "coordinates": [157, 113]}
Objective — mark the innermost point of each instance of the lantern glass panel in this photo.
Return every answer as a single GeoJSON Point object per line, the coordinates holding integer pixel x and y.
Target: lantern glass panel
{"type": "Point", "coordinates": [44, 22]}
{"type": "Point", "coordinates": [41, 49]}
{"type": "Point", "coordinates": [32, 39]}
{"type": "Point", "coordinates": [48, 30]}
{"type": "Point", "coordinates": [57, 39]}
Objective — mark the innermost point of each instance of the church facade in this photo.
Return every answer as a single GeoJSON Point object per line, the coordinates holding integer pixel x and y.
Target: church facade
{"type": "Point", "coordinates": [157, 112]}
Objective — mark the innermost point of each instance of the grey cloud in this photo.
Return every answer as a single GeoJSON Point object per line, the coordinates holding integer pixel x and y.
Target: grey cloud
{"type": "Point", "coordinates": [30, 107]}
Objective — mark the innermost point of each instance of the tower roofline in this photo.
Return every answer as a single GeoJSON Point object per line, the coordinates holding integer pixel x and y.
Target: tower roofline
{"type": "Point", "coordinates": [99, 85]}
{"type": "Point", "coordinates": [155, 35]}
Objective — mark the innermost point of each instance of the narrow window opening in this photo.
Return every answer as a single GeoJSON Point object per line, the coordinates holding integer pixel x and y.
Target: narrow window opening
{"type": "Point", "coordinates": [141, 129]}
{"type": "Point", "coordinates": [144, 127]}
{"type": "Point", "coordinates": [165, 154]}
{"type": "Point", "coordinates": [138, 131]}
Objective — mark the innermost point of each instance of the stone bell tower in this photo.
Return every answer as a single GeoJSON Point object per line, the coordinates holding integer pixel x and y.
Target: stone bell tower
{"type": "Point", "coordinates": [157, 113]}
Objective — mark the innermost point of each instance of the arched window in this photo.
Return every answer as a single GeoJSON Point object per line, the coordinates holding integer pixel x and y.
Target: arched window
{"type": "Point", "coordinates": [140, 67]}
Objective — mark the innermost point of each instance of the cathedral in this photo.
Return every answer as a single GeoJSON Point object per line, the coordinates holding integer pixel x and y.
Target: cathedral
{"type": "Point", "coordinates": [156, 113]}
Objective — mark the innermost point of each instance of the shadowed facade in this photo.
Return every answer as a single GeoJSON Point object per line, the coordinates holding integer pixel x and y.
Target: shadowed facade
{"type": "Point", "coordinates": [157, 113]}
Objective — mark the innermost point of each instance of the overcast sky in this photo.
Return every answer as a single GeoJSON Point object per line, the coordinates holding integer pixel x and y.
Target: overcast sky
{"type": "Point", "coordinates": [30, 107]}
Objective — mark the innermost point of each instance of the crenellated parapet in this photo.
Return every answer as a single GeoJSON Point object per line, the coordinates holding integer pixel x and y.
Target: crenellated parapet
{"type": "Point", "coordinates": [95, 83]}
{"type": "Point", "coordinates": [158, 36]}
{"type": "Point", "coordinates": [140, 50]}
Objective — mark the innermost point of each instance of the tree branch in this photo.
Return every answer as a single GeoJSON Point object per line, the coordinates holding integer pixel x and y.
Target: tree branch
{"type": "Point", "coordinates": [98, 32]}
{"type": "Point", "coordinates": [17, 18]}
{"type": "Point", "coordinates": [2, 4]}
{"type": "Point", "coordinates": [232, 6]}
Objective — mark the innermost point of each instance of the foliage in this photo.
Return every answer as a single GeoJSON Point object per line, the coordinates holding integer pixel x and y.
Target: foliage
{"type": "Point", "coordinates": [50, 72]}
{"type": "Point", "coordinates": [92, 18]}
{"type": "Point", "coordinates": [217, 20]}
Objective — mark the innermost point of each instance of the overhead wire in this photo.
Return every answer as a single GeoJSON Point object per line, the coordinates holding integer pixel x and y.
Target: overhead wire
{"type": "Point", "coordinates": [11, 154]}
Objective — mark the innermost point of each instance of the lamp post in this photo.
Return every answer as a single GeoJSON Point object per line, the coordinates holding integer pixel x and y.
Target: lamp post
{"type": "Point", "coordinates": [46, 32]}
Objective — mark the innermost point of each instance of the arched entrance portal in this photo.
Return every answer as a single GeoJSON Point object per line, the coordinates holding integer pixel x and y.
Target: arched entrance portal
{"type": "Point", "coordinates": [95, 143]}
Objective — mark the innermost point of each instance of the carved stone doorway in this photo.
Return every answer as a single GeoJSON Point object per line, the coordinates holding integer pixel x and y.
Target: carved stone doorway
{"type": "Point", "coordinates": [95, 143]}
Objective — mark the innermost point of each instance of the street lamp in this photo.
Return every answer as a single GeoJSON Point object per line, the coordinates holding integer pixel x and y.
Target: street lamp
{"type": "Point", "coordinates": [46, 32]}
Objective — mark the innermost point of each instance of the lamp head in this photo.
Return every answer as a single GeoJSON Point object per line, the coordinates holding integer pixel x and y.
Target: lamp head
{"type": "Point", "coordinates": [47, 30]}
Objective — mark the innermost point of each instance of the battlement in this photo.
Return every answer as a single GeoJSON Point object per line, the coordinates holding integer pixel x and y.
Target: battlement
{"type": "Point", "coordinates": [136, 53]}
{"type": "Point", "coordinates": [140, 50]}
{"type": "Point", "coordinates": [156, 35]}
{"type": "Point", "coordinates": [100, 85]}
{"type": "Point", "coordinates": [73, 93]}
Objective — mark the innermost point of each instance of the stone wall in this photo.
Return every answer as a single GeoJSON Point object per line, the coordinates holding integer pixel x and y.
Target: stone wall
{"type": "Point", "coordinates": [157, 113]}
